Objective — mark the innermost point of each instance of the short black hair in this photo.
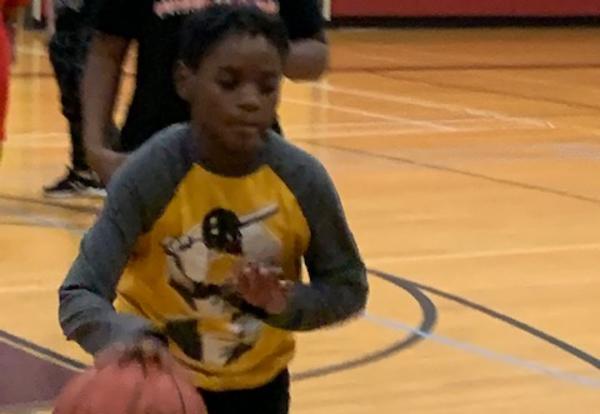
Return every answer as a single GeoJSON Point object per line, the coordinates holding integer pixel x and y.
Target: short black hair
{"type": "Point", "coordinates": [204, 29]}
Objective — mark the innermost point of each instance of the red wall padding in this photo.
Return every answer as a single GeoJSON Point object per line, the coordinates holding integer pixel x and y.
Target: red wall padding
{"type": "Point", "coordinates": [341, 8]}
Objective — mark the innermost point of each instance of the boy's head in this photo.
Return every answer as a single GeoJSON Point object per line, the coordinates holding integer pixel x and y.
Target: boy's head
{"type": "Point", "coordinates": [230, 70]}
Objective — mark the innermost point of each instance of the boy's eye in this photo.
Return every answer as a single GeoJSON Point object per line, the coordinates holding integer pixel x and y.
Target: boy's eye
{"type": "Point", "coordinates": [268, 84]}
{"type": "Point", "coordinates": [267, 88]}
{"type": "Point", "coordinates": [227, 83]}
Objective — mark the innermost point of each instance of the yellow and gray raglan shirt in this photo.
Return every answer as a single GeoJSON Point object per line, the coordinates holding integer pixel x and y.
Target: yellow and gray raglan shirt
{"type": "Point", "coordinates": [160, 254]}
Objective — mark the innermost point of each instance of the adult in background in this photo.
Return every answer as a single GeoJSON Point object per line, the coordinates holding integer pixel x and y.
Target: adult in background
{"type": "Point", "coordinates": [9, 11]}
{"type": "Point", "coordinates": [155, 25]}
{"type": "Point", "coordinates": [71, 37]}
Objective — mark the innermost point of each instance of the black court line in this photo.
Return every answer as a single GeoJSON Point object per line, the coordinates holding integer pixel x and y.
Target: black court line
{"type": "Point", "coordinates": [466, 173]}
{"type": "Point", "coordinates": [41, 350]}
{"type": "Point", "coordinates": [428, 321]}
{"type": "Point", "coordinates": [522, 326]}
{"type": "Point", "coordinates": [48, 203]}
{"type": "Point", "coordinates": [478, 89]}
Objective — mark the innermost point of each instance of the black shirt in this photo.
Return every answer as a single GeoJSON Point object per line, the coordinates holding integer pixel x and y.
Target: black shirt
{"type": "Point", "coordinates": [155, 25]}
{"type": "Point", "coordinates": [75, 15]}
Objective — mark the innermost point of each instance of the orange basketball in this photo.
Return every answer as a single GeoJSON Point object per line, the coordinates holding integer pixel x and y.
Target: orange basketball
{"type": "Point", "coordinates": [124, 383]}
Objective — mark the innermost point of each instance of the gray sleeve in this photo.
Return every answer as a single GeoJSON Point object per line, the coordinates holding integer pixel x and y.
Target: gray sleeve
{"type": "Point", "coordinates": [136, 198]}
{"type": "Point", "coordinates": [338, 286]}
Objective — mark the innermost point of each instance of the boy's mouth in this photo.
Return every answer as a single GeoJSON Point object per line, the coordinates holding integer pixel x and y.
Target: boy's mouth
{"type": "Point", "coordinates": [243, 124]}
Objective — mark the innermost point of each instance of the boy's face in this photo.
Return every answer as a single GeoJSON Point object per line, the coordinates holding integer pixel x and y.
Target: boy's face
{"type": "Point", "coordinates": [234, 93]}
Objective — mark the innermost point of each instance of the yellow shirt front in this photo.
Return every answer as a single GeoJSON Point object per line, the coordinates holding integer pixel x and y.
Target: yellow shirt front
{"type": "Point", "coordinates": [235, 349]}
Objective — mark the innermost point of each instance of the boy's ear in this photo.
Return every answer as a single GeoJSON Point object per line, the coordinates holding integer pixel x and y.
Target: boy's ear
{"type": "Point", "coordinates": [183, 77]}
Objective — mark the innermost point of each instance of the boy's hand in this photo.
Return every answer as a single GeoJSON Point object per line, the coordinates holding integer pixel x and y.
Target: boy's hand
{"type": "Point", "coordinates": [147, 350]}
{"type": "Point", "coordinates": [261, 286]}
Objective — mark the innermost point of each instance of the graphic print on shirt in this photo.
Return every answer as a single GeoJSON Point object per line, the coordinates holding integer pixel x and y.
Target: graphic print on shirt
{"type": "Point", "coordinates": [166, 8]}
{"type": "Point", "coordinates": [200, 265]}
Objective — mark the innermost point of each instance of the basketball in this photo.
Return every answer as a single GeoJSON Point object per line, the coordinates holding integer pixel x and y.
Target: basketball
{"type": "Point", "coordinates": [126, 383]}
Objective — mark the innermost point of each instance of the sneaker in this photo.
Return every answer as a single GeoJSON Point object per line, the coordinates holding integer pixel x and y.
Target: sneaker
{"type": "Point", "coordinates": [76, 184]}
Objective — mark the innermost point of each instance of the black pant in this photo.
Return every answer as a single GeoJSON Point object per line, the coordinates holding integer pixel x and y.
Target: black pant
{"type": "Point", "coordinates": [272, 398]}
{"type": "Point", "coordinates": [68, 51]}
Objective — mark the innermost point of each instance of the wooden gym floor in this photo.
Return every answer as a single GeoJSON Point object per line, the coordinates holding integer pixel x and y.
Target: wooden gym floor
{"type": "Point", "coordinates": [469, 165]}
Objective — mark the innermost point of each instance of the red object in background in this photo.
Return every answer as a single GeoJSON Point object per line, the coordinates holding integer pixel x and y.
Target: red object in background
{"type": "Point", "coordinates": [432, 8]}
{"type": "Point", "coordinates": [558, 7]}
{"type": "Point", "coordinates": [4, 69]}
{"type": "Point", "coordinates": [5, 58]}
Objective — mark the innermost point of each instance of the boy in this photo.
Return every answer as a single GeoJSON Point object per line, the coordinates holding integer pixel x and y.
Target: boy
{"type": "Point", "coordinates": [211, 220]}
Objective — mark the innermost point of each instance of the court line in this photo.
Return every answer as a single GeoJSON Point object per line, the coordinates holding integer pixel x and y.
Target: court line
{"type": "Point", "coordinates": [41, 352]}
{"type": "Point", "coordinates": [485, 253]}
{"type": "Point", "coordinates": [35, 220]}
{"type": "Point", "coordinates": [39, 145]}
{"type": "Point", "coordinates": [431, 104]}
{"type": "Point", "coordinates": [460, 67]}
{"type": "Point", "coordinates": [429, 315]}
{"type": "Point", "coordinates": [429, 319]}
{"type": "Point", "coordinates": [28, 288]}
{"type": "Point", "coordinates": [487, 353]}
{"type": "Point", "coordinates": [379, 124]}
{"type": "Point", "coordinates": [392, 49]}
{"type": "Point", "coordinates": [37, 134]}
{"type": "Point", "coordinates": [478, 89]}
{"type": "Point", "coordinates": [320, 136]}
{"type": "Point", "coordinates": [403, 283]}
{"type": "Point", "coordinates": [31, 75]}
{"type": "Point", "coordinates": [368, 114]}
{"type": "Point", "coordinates": [465, 173]}
{"type": "Point", "coordinates": [32, 51]}
{"type": "Point", "coordinates": [32, 223]}
{"type": "Point", "coordinates": [42, 52]}
{"type": "Point", "coordinates": [423, 332]}
{"type": "Point", "coordinates": [382, 260]}
{"type": "Point", "coordinates": [428, 322]}
{"type": "Point", "coordinates": [325, 135]}
{"type": "Point", "coordinates": [324, 132]}
{"type": "Point", "coordinates": [48, 203]}
{"type": "Point", "coordinates": [522, 326]}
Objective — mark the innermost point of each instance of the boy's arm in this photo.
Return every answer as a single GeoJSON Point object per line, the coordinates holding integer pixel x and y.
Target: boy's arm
{"type": "Point", "coordinates": [338, 286]}
{"type": "Point", "coordinates": [86, 312]}
{"type": "Point", "coordinates": [136, 198]}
